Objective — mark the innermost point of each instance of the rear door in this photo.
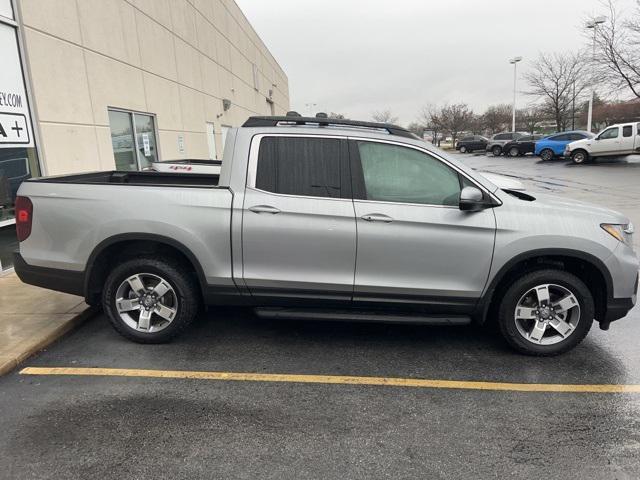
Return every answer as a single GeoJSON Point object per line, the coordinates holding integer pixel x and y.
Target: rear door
{"type": "Point", "coordinates": [627, 139]}
{"type": "Point", "coordinates": [298, 228]}
{"type": "Point", "coordinates": [415, 246]}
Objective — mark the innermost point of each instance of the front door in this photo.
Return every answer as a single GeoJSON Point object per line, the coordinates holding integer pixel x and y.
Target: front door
{"type": "Point", "coordinates": [607, 142]}
{"type": "Point", "coordinates": [298, 224]}
{"type": "Point", "coordinates": [415, 246]}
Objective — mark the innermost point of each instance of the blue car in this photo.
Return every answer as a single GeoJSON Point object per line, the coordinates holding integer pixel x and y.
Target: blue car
{"type": "Point", "coordinates": [553, 146]}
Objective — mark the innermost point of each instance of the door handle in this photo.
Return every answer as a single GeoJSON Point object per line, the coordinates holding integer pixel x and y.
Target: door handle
{"type": "Point", "coordinates": [264, 209]}
{"type": "Point", "coordinates": [377, 217]}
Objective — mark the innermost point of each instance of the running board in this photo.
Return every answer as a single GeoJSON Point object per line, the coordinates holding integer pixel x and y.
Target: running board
{"type": "Point", "coordinates": [360, 316]}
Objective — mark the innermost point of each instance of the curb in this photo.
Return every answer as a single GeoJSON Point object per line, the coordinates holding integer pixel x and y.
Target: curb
{"type": "Point", "coordinates": [8, 364]}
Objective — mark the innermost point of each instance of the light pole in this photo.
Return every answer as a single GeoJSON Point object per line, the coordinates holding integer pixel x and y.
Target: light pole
{"type": "Point", "coordinates": [514, 61]}
{"type": "Point", "coordinates": [593, 24]}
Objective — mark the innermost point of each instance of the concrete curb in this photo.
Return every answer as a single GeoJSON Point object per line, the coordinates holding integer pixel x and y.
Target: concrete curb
{"type": "Point", "coordinates": [8, 364]}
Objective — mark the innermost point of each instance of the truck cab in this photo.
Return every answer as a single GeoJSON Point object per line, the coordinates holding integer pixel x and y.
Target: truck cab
{"type": "Point", "coordinates": [614, 141]}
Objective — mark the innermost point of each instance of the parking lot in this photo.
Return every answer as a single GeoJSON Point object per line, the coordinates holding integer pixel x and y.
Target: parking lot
{"type": "Point", "coordinates": [347, 403]}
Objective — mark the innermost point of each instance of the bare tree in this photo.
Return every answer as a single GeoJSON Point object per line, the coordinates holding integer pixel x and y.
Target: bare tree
{"type": "Point", "coordinates": [384, 116]}
{"type": "Point", "coordinates": [497, 118]}
{"type": "Point", "coordinates": [430, 118]}
{"type": "Point", "coordinates": [530, 117]}
{"type": "Point", "coordinates": [416, 128]}
{"type": "Point", "coordinates": [455, 119]}
{"type": "Point", "coordinates": [337, 116]}
{"type": "Point", "coordinates": [558, 79]}
{"type": "Point", "coordinates": [617, 57]}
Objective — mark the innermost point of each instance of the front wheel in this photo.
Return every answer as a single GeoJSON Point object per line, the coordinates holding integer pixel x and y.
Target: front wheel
{"type": "Point", "coordinates": [546, 312]}
{"type": "Point", "coordinates": [463, 149]}
{"type": "Point", "coordinates": [579, 157]}
{"type": "Point", "coordinates": [514, 152]}
{"type": "Point", "coordinates": [546, 155]}
{"type": "Point", "coordinates": [150, 300]}
{"type": "Point", "coordinates": [497, 151]}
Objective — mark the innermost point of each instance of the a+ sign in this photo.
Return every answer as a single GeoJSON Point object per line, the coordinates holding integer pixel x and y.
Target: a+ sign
{"type": "Point", "coordinates": [17, 129]}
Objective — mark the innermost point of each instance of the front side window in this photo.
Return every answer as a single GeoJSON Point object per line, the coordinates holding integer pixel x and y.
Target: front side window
{"type": "Point", "coordinates": [502, 136]}
{"type": "Point", "coordinates": [301, 166]}
{"type": "Point", "coordinates": [525, 139]}
{"type": "Point", "coordinates": [610, 133]}
{"type": "Point", "coordinates": [400, 174]}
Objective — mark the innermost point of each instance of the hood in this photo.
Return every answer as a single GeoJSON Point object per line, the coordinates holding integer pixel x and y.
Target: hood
{"type": "Point", "coordinates": [503, 182]}
{"type": "Point", "coordinates": [603, 214]}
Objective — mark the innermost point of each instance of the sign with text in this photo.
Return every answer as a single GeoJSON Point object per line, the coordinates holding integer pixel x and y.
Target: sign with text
{"type": "Point", "coordinates": [15, 121]}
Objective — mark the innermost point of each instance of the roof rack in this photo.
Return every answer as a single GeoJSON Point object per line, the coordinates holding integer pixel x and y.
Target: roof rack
{"type": "Point", "coordinates": [323, 122]}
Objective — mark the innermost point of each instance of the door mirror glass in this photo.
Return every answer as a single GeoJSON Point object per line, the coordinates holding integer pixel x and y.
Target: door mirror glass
{"type": "Point", "coordinates": [472, 199]}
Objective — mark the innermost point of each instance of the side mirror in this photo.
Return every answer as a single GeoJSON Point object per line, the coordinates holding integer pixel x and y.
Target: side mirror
{"type": "Point", "coordinates": [597, 138]}
{"type": "Point", "coordinates": [472, 200]}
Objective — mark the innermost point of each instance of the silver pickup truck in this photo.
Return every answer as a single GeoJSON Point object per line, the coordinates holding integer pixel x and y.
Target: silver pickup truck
{"type": "Point", "coordinates": [315, 218]}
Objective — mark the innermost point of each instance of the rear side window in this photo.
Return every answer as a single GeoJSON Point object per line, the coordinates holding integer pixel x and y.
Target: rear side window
{"type": "Point", "coordinates": [400, 174]}
{"type": "Point", "coordinates": [627, 131]}
{"type": "Point", "coordinates": [310, 167]}
{"type": "Point", "coordinates": [560, 138]}
{"type": "Point", "coordinates": [577, 136]}
{"type": "Point", "coordinates": [467, 139]}
{"type": "Point", "coordinates": [525, 139]}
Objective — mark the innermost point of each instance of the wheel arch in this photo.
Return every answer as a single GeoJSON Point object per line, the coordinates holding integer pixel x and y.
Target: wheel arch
{"type": "Point", "coordinates": [130, 244]}
{"type": "Point", "coordinates": [590, 269]}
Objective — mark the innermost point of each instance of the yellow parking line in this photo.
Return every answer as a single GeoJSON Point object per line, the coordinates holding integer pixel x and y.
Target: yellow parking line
{"type": "Point", "coordinates": [332, 379]}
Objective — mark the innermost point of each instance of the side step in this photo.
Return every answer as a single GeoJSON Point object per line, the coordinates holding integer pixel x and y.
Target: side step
{"type": "Point", "coordinates": [360, 316]}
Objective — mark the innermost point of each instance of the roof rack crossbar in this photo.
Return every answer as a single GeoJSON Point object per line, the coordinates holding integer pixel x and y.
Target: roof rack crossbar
{"type": "Point", "coordinates": [268, 121]}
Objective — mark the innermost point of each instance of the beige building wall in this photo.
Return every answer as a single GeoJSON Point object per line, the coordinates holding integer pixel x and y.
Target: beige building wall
{"type": "Point", "coordinates": [176, 59]}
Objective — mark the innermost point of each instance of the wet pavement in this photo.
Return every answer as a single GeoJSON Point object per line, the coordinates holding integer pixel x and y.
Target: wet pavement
{"type": "Point", "coordinates": [117, 427]}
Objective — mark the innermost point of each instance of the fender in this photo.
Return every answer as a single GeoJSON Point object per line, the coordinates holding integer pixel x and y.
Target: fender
{"type": "Point", "coordinates": [482, 307]}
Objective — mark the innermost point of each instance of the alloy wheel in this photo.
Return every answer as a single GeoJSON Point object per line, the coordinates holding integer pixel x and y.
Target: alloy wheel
{"type": "Point", "coordinates": [514, 152]}
{"type": "Point", "coordinates": [146, 302]}
{"type": "Point", "coordinates": [547, 314]}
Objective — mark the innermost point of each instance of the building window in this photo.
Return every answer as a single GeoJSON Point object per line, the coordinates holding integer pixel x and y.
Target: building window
{"type": "Point", "coordinates": [133, 138]}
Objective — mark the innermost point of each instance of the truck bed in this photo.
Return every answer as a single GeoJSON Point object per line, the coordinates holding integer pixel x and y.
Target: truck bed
{"type": "Point", "coordinates": [137, 178]}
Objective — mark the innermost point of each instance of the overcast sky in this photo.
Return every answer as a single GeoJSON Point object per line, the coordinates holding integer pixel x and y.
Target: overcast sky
{"type": "Point", "coordinates": [357, 56]}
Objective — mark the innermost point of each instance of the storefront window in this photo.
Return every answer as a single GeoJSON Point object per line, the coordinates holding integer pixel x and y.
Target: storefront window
{"type": "Point", "coordinates": [18, 155]}
{"type": "Point", "coordinates": [133, 137]}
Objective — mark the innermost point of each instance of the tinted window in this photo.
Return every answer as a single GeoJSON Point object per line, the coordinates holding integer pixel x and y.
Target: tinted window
{"type": "Point", "coordinates": [627, 131]}
{"type": "Point", "coordinates": [467, 139]}
{"type": "Point", "coordinates": [560, 138]}
{"type": "Point", "coordinates": [525, 139]}
{"type": "Point", "coordinates": [577, 136]}
{"type": "Point", "coordinates": [609, 133]}
{"type": "Point", "coordinates": [301, 166]}
{"type": "Point", "coordinates": [502, 136]}
{"type": "Point", "coordinates": [399, 174]}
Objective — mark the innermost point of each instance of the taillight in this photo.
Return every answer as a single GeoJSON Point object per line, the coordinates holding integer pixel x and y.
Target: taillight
{"type": "Point", "coordinates": [24, 217]}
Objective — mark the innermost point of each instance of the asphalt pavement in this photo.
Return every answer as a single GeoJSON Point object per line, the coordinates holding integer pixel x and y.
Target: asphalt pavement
{"type": "Point", "coordinates": [96, 426]}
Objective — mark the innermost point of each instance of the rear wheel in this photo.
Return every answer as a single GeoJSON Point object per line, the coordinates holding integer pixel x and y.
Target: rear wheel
{"type": "Point", "coordinates": [149, 300]}
{"type": "Point", "coordinates": [514, 152]}
{"type": "Point", "coordinates": [546, 154]}
{"type": "Point", "coordinates": [546, 312]}
{"type": "Point", "coordinates": [579, 157]}
{"type": "Point", "coordinates": [497, 151]}
{"type": "Point", "coordinates": [463, 149]}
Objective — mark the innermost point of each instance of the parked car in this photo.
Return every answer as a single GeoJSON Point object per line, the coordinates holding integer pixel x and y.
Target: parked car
{"type": "Point", "coordinates": [497, 141]}
{"type": "Point", "coordinates": [188, 166]}
{"type": "Point", "coordinates": [472, 143]}
{"type": "Point", "coordinates": [615, 141]}
{"type": "Point", "coordinates": [521, 146]}
{"type": "Point", "coordinates": [553, 146]}
{"type": "Point", "coordinates": [278, 230]}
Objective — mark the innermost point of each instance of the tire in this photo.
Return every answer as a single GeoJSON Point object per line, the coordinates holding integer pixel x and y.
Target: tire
{"type": "Point", "coordinates": [463, 149]}
{"type": "Point", "coordinates": [169, 314]}
{"type": "Point", "coordinates": [514, 152]}
{"type": "Point", "coordinates": [496, 150]}
{"type": "Point", "coordinates": [547, 155]}
{"type": "Point", "coordinates": [579, 157]}
{"type": "Point", "coordinates": [517, 317]}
